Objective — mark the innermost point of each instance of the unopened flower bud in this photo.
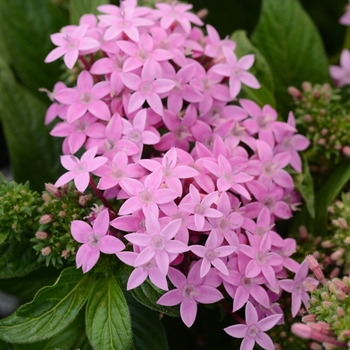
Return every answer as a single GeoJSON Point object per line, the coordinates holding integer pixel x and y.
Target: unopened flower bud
{"type": "Point", "coordinates": [337, 254]}
{"type": "Point", "coordinates": [203, 13]}
{"type": "Point", "coordinates": [316, 95]}
{"type": "Point", "coordinates": [303, 233]}
{"type": "Point", "coordinates": [293, 91]}
{"type": "Point", "coordinates": [343, 224]}
{"type": "Point", "coordinates": [83, 200]}
{"type": "Point", "coordinates": [324, 131]}
{"type": "Point", "coordinates": [339, 284]}
{"type": "Point", "coordinates": [340, 295]}
{"type": "Point", "coordinates": [53, 190]}
{"type": "Point", "coordinates": [308, 118]}
{"type": "Point", "coordinates": [306, 86]}
{"type": "Point", "coordinates": [315, 346]}
{"type": "Point", "coordinates": [46, 251]}
{"type": "Point", "coordinates": [42, 235]}
{"type": "Point", "coordinates": [65, 254]}
{"type": "Point", "coordinates": [335, 272]}
{"type": "Point", "coordinates": [46, 197]}
{"type": "Point", "coordinates": [315, 268]}
{"type": "Point", "coordinates": [309, 286]}
{"type": "Point", "coordinates": [46, 219]}
{"type": "Point", "coordinates": [62, 214]}
{"type": "Point", "coordinates": [309, 318]}
{"type": "Point", "coordinates": [340, 312]}
{"type": "Point", "coordinates": [346, 151]}
{"type": "Point", "coordinates": [327, 244]}
{"type": "Point", "coordinates": [322, 141]}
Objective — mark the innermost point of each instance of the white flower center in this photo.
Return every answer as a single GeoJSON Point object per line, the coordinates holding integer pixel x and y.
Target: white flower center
{"type": "Point", "coordinates": [94, 240]}
{"type": "Point", "coordinates": [86, 98]}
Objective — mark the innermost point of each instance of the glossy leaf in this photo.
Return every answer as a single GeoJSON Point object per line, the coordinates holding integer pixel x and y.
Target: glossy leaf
{"type": "Point", "coordinates": [304, 184]}
{"type": "Point", "coordinates": [148, 295]}
{"type": "Point", "coordinates": [25, 28]}
{"type": "Point", "coordinates": [146, 338]}
{"type": "Point", "coordinates": [291, 45]}
{"type": "Point", "coordinates": [77, 8]}
{"type": "Point", "coordinates": [51, 311]}
{"type": "Point", "coordinates": [17, 259]}
{"type": "Point", "coordinates": [108, 324]}
{"type": "Point", "coordinates": [34, 154]}
{"type": "Point", "coordinates": [72, 337]}
{"type": "Point", "coordinates": [329, 191]}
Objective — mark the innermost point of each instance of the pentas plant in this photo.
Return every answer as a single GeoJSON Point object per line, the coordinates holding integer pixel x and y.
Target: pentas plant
{"type": "Point", "coordinates": [191, 179]}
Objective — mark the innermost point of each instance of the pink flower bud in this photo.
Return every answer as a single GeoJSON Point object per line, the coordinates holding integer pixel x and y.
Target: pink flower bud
{"type": "Point", "coordinates": [309, 318]}
{"type": "Point", "coordinates": [346, 151]}
{"type": "Point", "coordinates": [306, 86]}
{"type": "Point", "coordinates": [315, 268]}
{"type": "Point", "coordinates": [339, 284]}
{"type": "Point", "coordinates": [293, 91]}
{"type": "Point", "coordinates": [308, 118]}
{"type": "Point", "coordinates": [302, 330]}
{"type": "Point", "coordinates": [46, 251]}
{"type": "Point", "coordinates": [46, 219]}
{"type": "Point", "coordinates": [53, 190]}
{"type": "Point", "coordinates": [42, 235]}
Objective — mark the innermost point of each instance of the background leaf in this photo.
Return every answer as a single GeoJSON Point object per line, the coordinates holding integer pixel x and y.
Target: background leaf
{"type": "Point", "coordinates": [25, 28]}
{"type": "Point", "coordinates": [291, 45]}
{"type": "Point", "coordinates": [51, 311]}
{"type": "Point", "coordinates": [148, 295]}
{"type": "Point", "coordinates": [77, 8]}
{"type": "Point", "coordinates": [108, 324]}
{"type": "Point", "coordinates": [17, 259]}
{"type": "Point", "coordinates": [147, 328]}
{"type": "Point", "coordinates": [34, 153]}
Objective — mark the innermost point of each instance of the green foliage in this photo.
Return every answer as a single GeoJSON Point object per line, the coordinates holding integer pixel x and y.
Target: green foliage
{"type": "Point", "coordinates": [77, 8]}
{"type": "Point", "coordinates": [17, 259]}
{"type": "Point", "coordinates": [292, 47]}
{"type": "Point", "coordinates": [33, 151]}
{"type": "Point", "coordinates": [108, 324]}
{"type": "Point", "coordinates": [148, 294]}
{"type": "Point", "coordinates": [260, 70]}
{"type": "Point", "coordinates": [146, 337]}
{"type": "Point", "coordinates": [53, 309]}
{"type": "Point", "coordinates": [18, 210]}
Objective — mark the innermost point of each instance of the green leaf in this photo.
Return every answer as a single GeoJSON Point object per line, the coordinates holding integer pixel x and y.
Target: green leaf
{"type": "Point", "coordinates": [305, 185]}
{"type": "Point", "coordinates": [326, 195]}
{"type": "Point", "coordinates": [51, 311]}
{"type": "Point", "coordinates": [70, 338]}
{"type": "Point", "coordinates": [291, 45]}
{"type": "Point", "coordinates": [27, 286]}
{"type": "Point", "coordinates": [148, 295]}
{"type": "Point", "coordinates": [17, 259]}
{"type": "Point", "coordinates": [3, 236]}
{"type": "Point", "coordinates": [146, 338]}
{"type": "Point", "coordinates": [108, 324]}
{"type": "Point", "coordinates": [33, 152]}
{"type": "Point", "coordinates": [5, 346]}
{"type": "Point", "coordinates": [77, 8]}
{"type": "Point", "coordinates": [25, 27]}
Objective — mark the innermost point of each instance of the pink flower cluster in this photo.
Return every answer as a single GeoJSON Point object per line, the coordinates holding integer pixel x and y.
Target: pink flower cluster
{"type": "Point", "coordinates": [200, 180]}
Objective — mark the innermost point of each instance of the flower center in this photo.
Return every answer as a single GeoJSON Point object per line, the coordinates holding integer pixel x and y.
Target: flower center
{"type": "Point", "coordinates": [124, 24]}
{"type": "Point", "coordinates": [253, 331]}
{"type": "Point", "coordinates": [109, 145]}
{"type": "Point", "coordinates": [179, 215]}
{"type": "Point", "coordinates": [207, 85]}
{"type": "Point", "coordinates": [236, 72]}
{"type": "Point", "coordinates": [146, 88]}
{"type": "Point", "coordinates": [223, 224]}
{"type": "Point", "coordinates": [158, 242]}
{"type": "Point", "coordinates": [189, 291]}
{"type": "Point", "coordinates": [135, 135]}
{"type": "Point", "coordinates": [148, 266]}
{"type": "Point", "coordinates": [81, 168]}
{"type": "Point", "coordinates": [94, 240]}
{"type": "Point", "coordinates": [142, 55]}
{"type": "Point", "coordinates": [269, 168]}
{"type": "Point", "coordinates": [146, 196]}
{"type": "Point", "coordinates": [86, 98]}
{"type": "Point", "coordinates": [81, 126]}
{"type": "Point", "coordinates": [200, 208]}
{"type": "Point", "coordinates": [261, 257]}
{"type": "Point", "coordinates": [299, 288]}
{"type": "Point", "coordinates": [181, 132]}
{"type": "Point", "coordinates": [269, 202]}
{"type": "Point", "coordinates": [210, 254]}
{"type": "Point", "coordinates": [117, 174]}
{"type": "Point", "coordinates": [72, 44]}
{"type": "Point", "coordinates": [247, 283]}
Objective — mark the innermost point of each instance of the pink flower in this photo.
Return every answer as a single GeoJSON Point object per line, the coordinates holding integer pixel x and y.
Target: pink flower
{"type": "Point", "coordinates": [147, 88]}
{"type": "Point", "coordinates": [70, 45]}
{"type": "Point", "coordinates": [95, 240]}
{"type": "Point", "coordinates": [296, 287]}
{"type": "Point", "coordinates": [211, 254]}
{"type": "Point", "coordinates": [85, 97]}
{"type": "Point", "coordinates": [341, 74]}
{"type": "Point", "coordinates": [254, 330]}
{"type": "Point", "coordinates": [345, 18]}
{"type": "Point", "coordinates": [191, 290]}
{"type": "Point", "coordinates": [236, 70]}
{"type": "Point", "coordinates": [79, 169]}
{"type": "Point", "coordinates": [158, 243]}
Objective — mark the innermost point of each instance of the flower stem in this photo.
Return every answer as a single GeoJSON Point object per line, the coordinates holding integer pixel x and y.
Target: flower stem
{"type": "Point", "coordinates": [100, 195]}
{"type": "Point", "coordinates": [233, 314]}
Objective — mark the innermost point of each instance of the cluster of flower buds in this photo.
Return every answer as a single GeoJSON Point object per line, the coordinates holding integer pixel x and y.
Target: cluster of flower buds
{"type": "Point", "coordinates": [324, 120]}
{"type": "Point", "coordinates": [53, 240]}
{"type": "Point", "coordinates": [199, 180]}
{"type": "Point", "coordinates": [329, 310]}
{"type": "Point", "coordinates": [18, 210]}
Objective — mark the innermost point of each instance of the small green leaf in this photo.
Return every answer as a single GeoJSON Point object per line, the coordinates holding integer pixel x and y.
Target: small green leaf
{"type": "Point", "coordinates": [51, 311]}
{"type": "Point", "coordinates": [70, 338]}
{"type": "Point", "coordinates": [108, 324]}
{"type": "Point", "coordinates": [326, 195]}
{"type": "Point", "coordinates": [146, 338]}
{"type": "Point", "coordinates": [34, 154]}
{"type": "Point", "coordinates": [305, 185]}
{"type": "Point", "coordinates": [17, 259]}
{"type": "Point", "coordinates": [148, 295]}
{"type": "Point", "coordinates": [3, 236]}
{"type": "Point", "coordinates": [77, 8]}
{"type": "Point", "coordinates": [292, 47]}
